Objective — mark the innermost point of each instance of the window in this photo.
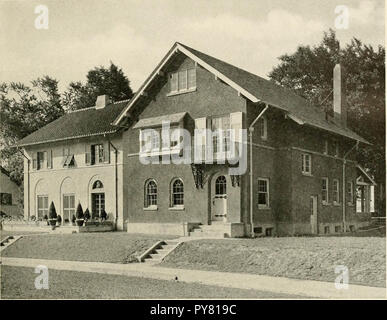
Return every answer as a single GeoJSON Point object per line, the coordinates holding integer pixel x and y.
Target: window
{"type": "Point", "coordinates": [324, 191]}
{"type": "Point", "coordinates": [336, 148]}
{"type": "Point", "coordinates": [306, 163]}
{"type": "Point", "coordinates": [68, 207]}
{"type": "Point", "coordinates": [68, 158]}
{"type": "Point", "coordinates": [337, 229]}
{"type": "Point", "coordinates": [269, 232]}
{"type": "Point", "coordinates": [97, 185]}
{"type": "Point", "coordinates": [325, 149]}
{"type": "Point", "coordinates": [150, 194]}
{"type": "Point", "coordinates": [361, 198]}
{"type": "Point", "coordinates": [97, 203]}
{"type": "Point", "coordinates": [263, 128]}
{"type": "Point", "coordinates": [6, 199]}
{"type": "Point", "coordinates": [42, 206]}
{"type": "Point", "coordinates": [221, 186]}
{"type": "Point", "coordinates": [183, 81]}
{"type": "Point", "coordinates": [336, 191]}
{"type": "Point", "coordinates": [220, 127]}
{"type": "Point", "coordinates": [326, 230]}
{"type": "Point", "coordinates": [177, 193]}
{"type": "Point", "coordinates": [98, 154]}
{"type": "Point", "coordinates": [263, 193]}
{"type": "Point", "coordinates": [350, 193]}
{"type": "Point", "coordinates": [38, 162]}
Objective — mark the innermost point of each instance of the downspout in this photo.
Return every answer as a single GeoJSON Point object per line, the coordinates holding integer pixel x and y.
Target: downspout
{"type": "Point", "coordinates": [28, 182]}
{"type": "Point", "coordinates": [115, 181]}
{"type": "Point", "coordinates": [344, 183]}
{"type": "Point", "coordinates": [251, 130]}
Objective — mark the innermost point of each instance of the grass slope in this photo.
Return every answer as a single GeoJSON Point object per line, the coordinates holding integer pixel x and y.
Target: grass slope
{"type": "Point", "coordinates": [301, 258]}
{"type": "Point", "coordinates": [18, 283]}
{"type": "Point", "coordinates": [114, 247]}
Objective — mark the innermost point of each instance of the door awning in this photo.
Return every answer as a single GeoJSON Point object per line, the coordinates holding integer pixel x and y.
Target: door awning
{"type": "Point", "coordinates": [157, 121]}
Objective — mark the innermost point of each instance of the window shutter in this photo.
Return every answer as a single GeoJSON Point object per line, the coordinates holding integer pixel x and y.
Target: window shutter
{"type": "Point", "coordinates": [34, 160]}
{"type": "Point", "coordinates": [106, 152]}
{"type": "Point", "coordinates": [87, 155]}
{"type": "Point", "coordinates": [200, 139]}
{"type": "Point", "coordinates": [49, 159]}
{"type": "Point", "coordinates": [236, 125]}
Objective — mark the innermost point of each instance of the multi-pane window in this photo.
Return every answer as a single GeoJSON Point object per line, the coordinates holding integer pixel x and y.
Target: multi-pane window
{"type": "Point", "coordinates": [177, 193]}
{"type": "Point", "coordinates": [350, 192]}
{"type": "Point", "coordinates": [306, 163]}
{"type": "Point", "coordinates": [150, 194]}
{"type": "Point", "coordinates": [42, 206]}
{"type": "Point", "coordinates": [98, 203]}
{"type": "Point", "coordinates": [336, 148]}
{"type": "Point", "coordinates": [324, 190]}
{"type": "Point", "coordinates": [220, 127]}
{"type": "Point", "coordinates": [97, 153]}
{"type": "Point", "coordinates": [183, 80]}
{"type": "Point", "coordinates": [68, 207]}
{"type": "Point", "coordinates": [263, 128]}
{"type": "Point", "coordinates": [6, 198]}
{"type": "Point", "coordinates": [221, 186]}
{"type": "Point", "coordinates": [41, 156]}
{"type": "Point", "coordinates": [336, 191]}
{"type": "Point", "coordinates": [263, 192]}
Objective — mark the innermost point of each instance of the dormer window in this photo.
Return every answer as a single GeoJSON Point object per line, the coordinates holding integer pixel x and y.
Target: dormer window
{"type": "Point", "coordinates": [183, 81]}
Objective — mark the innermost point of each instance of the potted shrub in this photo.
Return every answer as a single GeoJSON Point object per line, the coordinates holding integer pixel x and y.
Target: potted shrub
{"type": "Point", "coordinates": [45, 218]}
{"type": "Point", "coordinates": [80, 217]}
{"type": "Point", "coordinates": [103, 215]}
{"type": "Point", "coordinates": [73, 219]}
{"type": "Point", "coordinates": [52, 216]}
{"type": "Point", "coordinates": [86, 215]}
{"type": "Point", "coordinates": [59, 220]}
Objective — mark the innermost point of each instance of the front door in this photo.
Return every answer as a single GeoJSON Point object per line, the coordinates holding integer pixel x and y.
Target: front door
{"type": "Point", "coordinates": [219, 200]}
{"type": "Point", "coordinates": [313, 214]}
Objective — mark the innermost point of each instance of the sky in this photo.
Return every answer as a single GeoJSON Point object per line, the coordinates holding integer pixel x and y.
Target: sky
{"type": "Point", "coordinates": [136, 34]}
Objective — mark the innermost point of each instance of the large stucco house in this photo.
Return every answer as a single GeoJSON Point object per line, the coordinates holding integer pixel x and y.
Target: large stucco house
{"type": "Point", "coordinates": [10, 195]}
{"type": "Point", "coordinates": [300, 173]}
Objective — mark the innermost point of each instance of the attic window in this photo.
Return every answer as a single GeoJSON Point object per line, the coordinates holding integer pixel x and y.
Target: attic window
{"type": "Point", "coordinates": [182, 81]}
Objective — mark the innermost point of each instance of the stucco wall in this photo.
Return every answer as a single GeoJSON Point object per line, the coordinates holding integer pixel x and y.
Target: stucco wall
{"type": "Point", "coordinates": [8, 186]}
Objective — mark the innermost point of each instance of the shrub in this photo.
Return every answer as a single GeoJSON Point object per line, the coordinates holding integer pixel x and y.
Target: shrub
{"type": "Point", "coordinates": [79, 212]}
{"type": "Point", "coordinates": [52, 211]}
{"type": "Point", "coordinates": [103, 215]}
{"type": "Point", "coordinates": [45, 217]}
{"type": "Point", "coordinates": [73, 219]}
{"type": "Point", "coordinates": [87, 214]}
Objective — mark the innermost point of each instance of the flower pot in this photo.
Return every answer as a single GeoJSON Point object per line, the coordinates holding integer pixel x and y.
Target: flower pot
{"type": "Point", "coordinates": [79, 222]}
{"type": "Point", "coordinates": [52, 222]}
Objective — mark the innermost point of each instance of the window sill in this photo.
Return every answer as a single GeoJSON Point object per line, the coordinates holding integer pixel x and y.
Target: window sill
{"type": "Point", "coordinates": [175, 93]}
{"type": "Point", "coordinates": [262, 207]}
{"type": "Point", "coordinates": [336, 204]}
{"type": "Point", "coordinates": [307, 174]}
{"type": "Point", "coordinates": [160, 153]}
{"type": "Point", "coordinates": [150, 209]}
{"type": "Point", "coordinates": [326, 204]}
{"type": "Point", "coordinates": [181, 208]}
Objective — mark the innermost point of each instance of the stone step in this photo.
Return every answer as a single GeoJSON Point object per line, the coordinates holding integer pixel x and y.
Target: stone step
{"type": "Point", "coordinates": [155, 256]}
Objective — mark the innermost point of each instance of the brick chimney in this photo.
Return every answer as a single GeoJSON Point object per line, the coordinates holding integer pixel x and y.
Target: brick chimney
{"type": "Point", "coordinates": [102, 101]}
{"type": "Point", "coordinates": [339, 103]}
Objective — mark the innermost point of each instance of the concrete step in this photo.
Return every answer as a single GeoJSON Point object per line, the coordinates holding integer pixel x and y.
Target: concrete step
{"type": "Point", "coordinates": [156, 256]}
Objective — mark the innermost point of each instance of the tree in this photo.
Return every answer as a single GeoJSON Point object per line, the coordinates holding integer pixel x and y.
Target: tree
{"type": "Point", "coordinates": [308, 72]}
{"type": "Point", "coordinates": [100, 80]}
{"type": "Point", "coordinates": [23, 110]}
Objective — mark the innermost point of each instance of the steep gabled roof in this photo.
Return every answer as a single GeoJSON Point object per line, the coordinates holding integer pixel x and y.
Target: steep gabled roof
{"type": "Point", "coordinates": [254, 88]}
{"type": "Point", "coordinates": [77, 124]}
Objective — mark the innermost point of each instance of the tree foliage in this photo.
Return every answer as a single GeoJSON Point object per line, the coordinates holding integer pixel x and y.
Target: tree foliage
{"type": "Point", "coordinates": [100, 80]}
{"type": "Point", "coordinates": [309, 72]}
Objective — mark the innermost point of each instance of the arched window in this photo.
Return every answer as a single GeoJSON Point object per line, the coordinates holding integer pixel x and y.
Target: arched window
{"type": "Point", "coordinates": [150, 193]}
{"type": "Point", "coordinates": [97, 185]}
{"type": "Point", "coordinates": [221, 185]}
{"type": "Point", "coordinates": [177, 186]}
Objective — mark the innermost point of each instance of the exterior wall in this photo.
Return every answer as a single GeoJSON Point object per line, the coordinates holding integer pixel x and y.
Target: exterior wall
{"type": "Point", "coordinates": [8, 186]}
{"type": "Point", "coordinates": [78, 180]}
{"type": "Point", "coordinates": [212, 97]}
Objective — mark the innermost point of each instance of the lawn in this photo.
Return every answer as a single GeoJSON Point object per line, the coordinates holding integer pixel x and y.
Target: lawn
{"type": "Point", "coordinates": [18, 283]}
{"type": "Point", "coordinates": [4, 234]}
{"type": "Point", "coordinates": [115, 247]}
{"type": "Point", "coordinates": [313, 258]}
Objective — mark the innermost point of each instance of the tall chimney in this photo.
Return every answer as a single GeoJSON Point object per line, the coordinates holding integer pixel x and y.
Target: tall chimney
{"type": "Point", "coordinates": [339, 103]}
{"type": "Point", "coordinates": [102, 101]}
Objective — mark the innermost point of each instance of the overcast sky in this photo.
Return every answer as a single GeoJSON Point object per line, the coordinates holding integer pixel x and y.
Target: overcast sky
{"type": "Point", "coordinates": [135, 34]}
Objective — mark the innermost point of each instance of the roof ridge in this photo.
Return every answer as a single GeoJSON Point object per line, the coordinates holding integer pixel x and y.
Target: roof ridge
{"type": "Point", "coordinates": [82, 109]}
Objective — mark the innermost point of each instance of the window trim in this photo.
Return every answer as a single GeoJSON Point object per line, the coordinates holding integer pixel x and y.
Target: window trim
{"type": "Point", "coordinates": [336, 191]}
{"type": "Point", "coordinates": [267, 205]}
{"type": "Point", "coordinates": [184, 90]}
{"type": "Point", "coordinates": [37, 204]}
{"type": "Point", "coordinates": [325, 202]}
{"type": "Point", "coordinates": [350, 194]}
{"type": "Point", "coordinates": [63, 207]}
{"type": "Point", "coordinates": [303, 165]}
{"type": "Point", "coordinates": [173, 206]}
